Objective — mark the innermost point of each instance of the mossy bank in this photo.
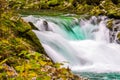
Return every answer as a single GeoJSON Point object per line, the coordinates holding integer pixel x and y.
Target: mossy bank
{"type": "Point", "coordinates": [109, 8]}
{"type": "Point", "coordinates": [21, 55]}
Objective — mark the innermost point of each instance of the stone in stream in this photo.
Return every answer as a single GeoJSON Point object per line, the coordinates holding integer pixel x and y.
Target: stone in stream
{"type": "Point", "coordinates": [46, 27]}
{"type": "Point", "coordinates": [114, 31]}
{"type": "Point", "coordinates": [33, 26]}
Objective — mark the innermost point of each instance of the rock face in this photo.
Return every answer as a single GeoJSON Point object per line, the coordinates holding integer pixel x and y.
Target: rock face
{"type": "Point", "coordinates": [32, 25]}
{"type": "Point", "coordinates": [114, 26]}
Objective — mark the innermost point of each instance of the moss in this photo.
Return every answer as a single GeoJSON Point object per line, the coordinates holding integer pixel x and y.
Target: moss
{"type": "Point", "coordinates": [30, 35]}
{"type": "Point", "coordinates": [110, 24]}
{"type": "Point", "coordinates": [22, 26]}
{"type": "Point", "coordinates": [33, 26]}
{"type": "Point", "coordinates": [118, 36]}
{"type": "Point", "coordinates": [44, 5]}
{"type": "Point", "coordinates": [83, 8]}
{"type": "Point", "coordinates": [53, 2]}
{"type": "Point", "coordinates": [112, 10]}
{"type": "Point", "coordinates": [96, 11]}
{"type": "Point", "coordinates": [92, 7]}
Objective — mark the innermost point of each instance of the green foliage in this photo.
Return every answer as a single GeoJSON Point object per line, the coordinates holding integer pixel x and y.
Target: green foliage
{"type": "Point", "coordinates": [97, 11]}
{"type": "Point", "coordinates": [112, 10]}
{"type": "Point", "coordinates": [84, 8]}
{"type": "Point", "coordinates": [106, 7]}
{"type": "Point", "coordinates": [92, 7]}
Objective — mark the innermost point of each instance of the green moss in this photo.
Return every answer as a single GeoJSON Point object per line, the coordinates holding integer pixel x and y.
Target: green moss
{"type": "Point", "coordinates": [33, 38]}
{"type": "Point", "coordinates": [22, 26]}
{"type": "Point", "coordinates": [96, 11]}
{"type": "Point", "coordinates": [112, 10]}
{"type": "Point", "coordinates": [118, 36]}
{"type": "Point", "coordinates": [83, 8]}
{"type": "Point", "coordinates": [43, 5]}
{"type": "Point", "coordinates": [92, 7]}
{"type": "Point", "coordinates": [53, 2]}
{"type": "Point", "coordinates": [110, 24]}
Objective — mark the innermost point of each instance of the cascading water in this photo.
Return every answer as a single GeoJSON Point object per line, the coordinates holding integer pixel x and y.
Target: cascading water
{"type": "Point", "coordinates": [83, 45]}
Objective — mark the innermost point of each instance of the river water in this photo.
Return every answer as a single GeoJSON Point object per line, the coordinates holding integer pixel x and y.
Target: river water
{"type": "Point", "coordinates": [83, 45]}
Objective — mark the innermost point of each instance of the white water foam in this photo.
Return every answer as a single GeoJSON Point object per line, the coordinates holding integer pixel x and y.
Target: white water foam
{"type": "Point", "coordinates": [92, 53]}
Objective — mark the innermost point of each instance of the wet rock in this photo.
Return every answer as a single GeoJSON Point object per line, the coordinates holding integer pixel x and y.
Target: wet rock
{"type": "Point", "coordinates": [46, 27]}
{"type": "Point", "coordinates": [114, 27]}
{"type": "Point", "coordinates": [118, 36]}
{"type": "Point", "coordinates": [95, 30]}
{"type": "Point", "coordinates": [33, 26]}
{"type": "Point", "coordinates": [110, 24]}
{"type": "Point", "coordinates": [117, 22]}
{"type": "Point", "coordinates": [11, 72]}
{"type": "Point", "coordinates": [118, 41]}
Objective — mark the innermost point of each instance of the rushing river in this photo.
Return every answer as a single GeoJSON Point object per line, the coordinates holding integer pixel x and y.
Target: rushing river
{"type": "Point", "coordinates": [83, 45]}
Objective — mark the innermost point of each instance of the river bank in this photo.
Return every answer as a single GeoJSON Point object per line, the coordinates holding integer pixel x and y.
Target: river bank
{"type": "Point", "coordinates": [109, 8]}
{"type": "Point", "coordinates": [21, 55]}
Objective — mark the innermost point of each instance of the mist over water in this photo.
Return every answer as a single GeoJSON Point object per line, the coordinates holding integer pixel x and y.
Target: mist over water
{"type": "Point", "coordinates": [81, 44]}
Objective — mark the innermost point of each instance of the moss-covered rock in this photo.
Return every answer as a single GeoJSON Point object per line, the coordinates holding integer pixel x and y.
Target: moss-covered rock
{"type": "Point", "coordinates": [118, 36]}
{"type": "Point", "coordinates": [83, 8]}
{"type": "Point", "coordinates": [36, 43]}
{"type": "Point", "coordinates": [97, 11]}
{"type": "Point", "coordinates": [110, 24]}
{"type": "Point", "coordinates": [111, 9]}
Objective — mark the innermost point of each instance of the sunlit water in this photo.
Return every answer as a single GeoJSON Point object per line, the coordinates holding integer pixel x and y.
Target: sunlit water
{"type": "Point", "coordinates": [82, 45]}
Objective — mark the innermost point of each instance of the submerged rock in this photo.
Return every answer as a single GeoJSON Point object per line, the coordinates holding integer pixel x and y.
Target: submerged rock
{"type": "Point", "coordinates": [46, 26]}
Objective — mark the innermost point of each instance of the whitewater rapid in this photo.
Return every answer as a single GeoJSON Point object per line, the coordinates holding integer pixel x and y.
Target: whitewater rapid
{"type": "Point", "coordinates": [80, 44]}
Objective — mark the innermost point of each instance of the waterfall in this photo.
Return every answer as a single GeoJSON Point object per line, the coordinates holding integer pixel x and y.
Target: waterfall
{"type": "Point", "coordinates": [80, 44]}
